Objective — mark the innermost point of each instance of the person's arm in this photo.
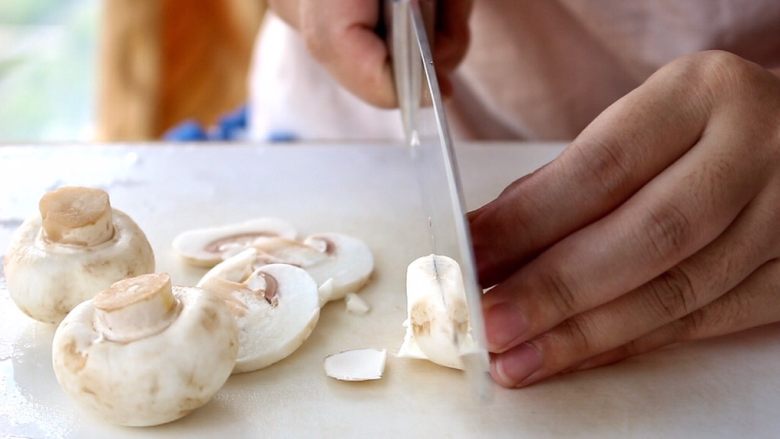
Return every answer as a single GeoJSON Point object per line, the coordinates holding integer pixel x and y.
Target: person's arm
{"type": "Point", "coordinates": [342, 35]}
{"type": "Point", "coordinates": [658, 224]}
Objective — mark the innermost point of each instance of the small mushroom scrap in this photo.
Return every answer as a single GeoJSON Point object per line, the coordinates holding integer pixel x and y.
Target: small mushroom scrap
{"type": "Point", "coordinates": [210, 246]}
{"type": "Point", "coordinates": [356, 365]}
{"type": "Point", "coordinates": [145, 353]}
{"type": "Point", "coordinates": [276, 307]}
{"type": "Point", "coordinates": [76, 247]}
{"type": "Point", "coordinates": [437, 312]}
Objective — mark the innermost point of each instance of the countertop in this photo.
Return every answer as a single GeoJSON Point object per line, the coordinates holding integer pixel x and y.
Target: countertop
{"type": "Point", "coordinates": [728, 387]}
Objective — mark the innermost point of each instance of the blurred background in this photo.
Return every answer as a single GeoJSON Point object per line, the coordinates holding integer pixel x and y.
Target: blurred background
{"type": "Point", "coordinates": [121, 70]}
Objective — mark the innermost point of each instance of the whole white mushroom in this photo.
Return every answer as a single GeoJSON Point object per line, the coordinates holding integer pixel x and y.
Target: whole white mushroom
{"type": "Point", "coordinates": [77, 247]}
{"type": "Point", "coordinates": [144, 353]}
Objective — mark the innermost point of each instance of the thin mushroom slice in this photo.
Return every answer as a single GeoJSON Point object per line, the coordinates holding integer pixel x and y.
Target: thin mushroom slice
{"type": "Point", "coordinates": [145, 353]}
{"type": "Point", "coordinates": [344, 261]}
{"type": "Point", "coordinates": [209, 246]}
{"type": "Point", "coordinates": [350, 263]}
{"type": "Point", "coordinates": [275, 306]}
{"type": "Point", "coordinates": [356, 365]}
{"type": "Point", "coordinates": [437, 312]}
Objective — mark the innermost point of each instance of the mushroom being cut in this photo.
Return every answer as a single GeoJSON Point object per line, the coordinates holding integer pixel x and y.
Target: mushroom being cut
{"type": "Point", "coordinates": [437, 312]}
{"type": "Point", "coordinates": [340, 264]}
{"type": "Point", "coordinates": [144, 353]}
{"type": "Point", "coordinates": [276, 307]}
{"type": "Point", "coordinates": [210, 246]}
{"type": "Point", "coordinates": [76, 247]}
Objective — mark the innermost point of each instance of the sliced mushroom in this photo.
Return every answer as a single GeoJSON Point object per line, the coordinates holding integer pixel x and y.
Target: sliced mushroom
{"type": "Point", "coordinates": [356, 365]}
{"type": "Point", "coordinates": [437, 327]}
{"type": "Point", "coordinates": [76, 247]}
{"type": "Point", "coordinates": [276, 307]}
{"type": "Point", "coordinates": [144, 353]}
{"type": "Point", "coordinates": [210, 246]}
{"type": "Point", "coordinates": [339, 263]}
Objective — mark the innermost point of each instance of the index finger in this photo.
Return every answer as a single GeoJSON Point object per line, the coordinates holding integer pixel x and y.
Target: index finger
{"type": "Point", "coordinates": [342, 36]}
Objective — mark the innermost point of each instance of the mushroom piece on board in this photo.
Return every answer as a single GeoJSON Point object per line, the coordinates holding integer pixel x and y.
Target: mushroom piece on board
{"type": "Point", "coordinates": [76, 247]}
{"type": "Point", "coordinates": [276, 307]}
{"type": "Point", "coordinates": [144, 353]}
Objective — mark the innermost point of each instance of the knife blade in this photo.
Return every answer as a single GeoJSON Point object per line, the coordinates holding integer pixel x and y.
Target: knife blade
{"type": "Point", "coordinates": [428, 137]}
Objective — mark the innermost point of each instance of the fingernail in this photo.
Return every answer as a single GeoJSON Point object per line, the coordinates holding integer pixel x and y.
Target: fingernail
{"type": "Point", "coordinates": [504, 324]}
{"type": "Point", "coordinates": [512, 367]}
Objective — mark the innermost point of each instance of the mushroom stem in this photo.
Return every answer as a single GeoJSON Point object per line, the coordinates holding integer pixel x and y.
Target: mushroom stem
{"type": "Point", "coordinates": [135, 308]}
{"type": "Point", "coordinates": [77, 216]}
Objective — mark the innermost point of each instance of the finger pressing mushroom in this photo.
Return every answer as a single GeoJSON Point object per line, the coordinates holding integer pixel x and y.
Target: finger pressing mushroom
{"type": "Point", "coordinates": [276, 307]}
{"type": "Point", "coordinates": [437, 312]}
{"type": "Point", "coordinates": [340, 263]}
{"type": "Point", "coordinates": [77, 247]}
{"type": "Point", "coordinates": [210, 246]}
{"type": "Point", "coordinates": [144, 353]}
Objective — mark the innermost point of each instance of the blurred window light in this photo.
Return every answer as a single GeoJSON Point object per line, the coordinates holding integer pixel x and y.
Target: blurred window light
{"type": "Point", "coordinates": [48, 70]}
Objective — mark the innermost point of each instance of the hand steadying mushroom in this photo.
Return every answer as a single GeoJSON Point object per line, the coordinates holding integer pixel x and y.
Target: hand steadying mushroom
{"type": "Point", "coordinates": [144, 353]}
{"type": "Point", "coordinates": [77, 247]}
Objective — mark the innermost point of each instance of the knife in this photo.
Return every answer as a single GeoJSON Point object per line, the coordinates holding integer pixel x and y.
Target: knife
{"type": "Point", "coordinates": [409, 25]}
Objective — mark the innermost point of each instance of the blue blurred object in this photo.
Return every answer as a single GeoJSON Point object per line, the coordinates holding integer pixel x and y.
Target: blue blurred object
{"type": "Point", "coordinates": [232, 126]}
{"type": "Point", "coordinates": [187, 131]}
{"type": "Point", "coordinates": [282, 136]}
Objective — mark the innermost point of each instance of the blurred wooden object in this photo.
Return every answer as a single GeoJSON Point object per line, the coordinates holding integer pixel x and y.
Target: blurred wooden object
{"type": "Point", "coordinates": [164, 61]}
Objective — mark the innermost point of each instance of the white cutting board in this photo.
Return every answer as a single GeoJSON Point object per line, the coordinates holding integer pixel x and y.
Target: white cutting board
{"type": "Point", "coordinates": [721, 388]}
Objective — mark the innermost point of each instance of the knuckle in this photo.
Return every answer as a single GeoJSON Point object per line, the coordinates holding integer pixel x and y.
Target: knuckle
{"type": "Point", "coordinates": [607, 164]}
{"type": "Point", "coordinates": [673, 294]}
{"type": "Point", "coordinates": [317, 39]}
{"type": "Point", "coordinates": [558, 290]}
{"type": "Point", "coordinates": [667, 230]}
{"type": "Point", "coordinates": [714, 71]}
{"type": "Point", "coordinates": [693, 326]}
{"type": "Point", "coordinates": [579, 344]}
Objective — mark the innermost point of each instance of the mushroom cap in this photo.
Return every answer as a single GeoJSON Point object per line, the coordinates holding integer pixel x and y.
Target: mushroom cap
{"type": "Point", "coordinates": [155, 379]}
{"type": "Point", "coordinates": [267, 332]}
{"type": "Point", "coordinates": [437, 312]}
{"type": "Point", "coordinates": [46, 279]}
{"type": "Point", "coordinates": [209, 246]}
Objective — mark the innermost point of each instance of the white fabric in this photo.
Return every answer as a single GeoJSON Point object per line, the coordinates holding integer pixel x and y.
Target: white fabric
{"type": "Point", "coordinates": [290, 93]}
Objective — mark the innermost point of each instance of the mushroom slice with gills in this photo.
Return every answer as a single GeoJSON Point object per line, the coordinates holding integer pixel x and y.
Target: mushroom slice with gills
{"type": "Point", "coordinates": [437, 312]}
{"type": "Point", "coordinates": [209, 246]}
{"type": "Point", "coordinates": [276, 307]}
{"type": "Point", "coordinates": [75, 248]}
{"type": "Point", "coordinates": [356, 365]}
{"type": "Point", "coordinates": [145, 353]}
{"type": "Point", "coordinates": [345, 261]}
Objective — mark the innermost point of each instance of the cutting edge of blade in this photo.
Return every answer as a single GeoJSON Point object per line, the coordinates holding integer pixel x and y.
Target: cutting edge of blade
{"type": "Point", "coordinates": [473, 292]}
